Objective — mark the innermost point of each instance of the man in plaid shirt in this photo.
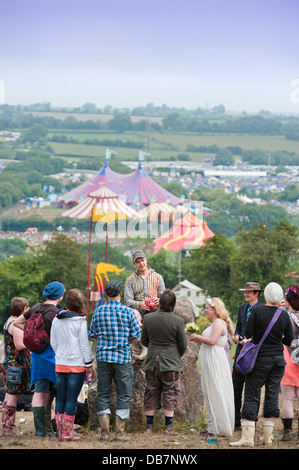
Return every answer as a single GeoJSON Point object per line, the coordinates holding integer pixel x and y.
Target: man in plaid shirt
{"type": "Point", "coordinates": [114, 326]}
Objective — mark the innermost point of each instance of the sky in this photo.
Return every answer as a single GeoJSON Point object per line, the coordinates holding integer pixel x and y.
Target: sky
{"type": "Point", "coordinates": [128, 53]}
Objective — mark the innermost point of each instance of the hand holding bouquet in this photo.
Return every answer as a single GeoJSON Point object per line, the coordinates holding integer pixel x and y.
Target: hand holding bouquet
{"type": "Point", "coordinates": [192, 328]}
{"type": "Point", "coordinates": [192, 331]}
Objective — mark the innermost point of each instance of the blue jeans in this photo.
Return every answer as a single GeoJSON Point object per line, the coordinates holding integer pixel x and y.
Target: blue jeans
{"type": "Point", "coordinates": [68, 388]}
{"type": "Point", "coordinates": [122, 374]}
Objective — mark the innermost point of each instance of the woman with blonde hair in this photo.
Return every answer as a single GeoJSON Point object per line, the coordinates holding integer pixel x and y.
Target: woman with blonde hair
{"type": "Point", "coordinates": [216, 380]}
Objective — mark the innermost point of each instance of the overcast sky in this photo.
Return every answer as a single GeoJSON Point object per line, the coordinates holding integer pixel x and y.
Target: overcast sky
{"type": "Point", "coordinates": [127, 53]}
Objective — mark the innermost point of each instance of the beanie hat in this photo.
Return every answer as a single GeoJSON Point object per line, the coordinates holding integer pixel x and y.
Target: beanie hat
{"type": "Point", "coordinates": [273, 293]}
{"type": "Point", "coordinates": [53, 291]}
{"type": "Point", "coordinates": [113, 288]}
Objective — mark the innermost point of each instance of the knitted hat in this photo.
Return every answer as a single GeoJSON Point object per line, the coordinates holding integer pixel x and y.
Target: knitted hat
{"type": "Point", "coordinates": [113, 288]}
{"type": "Point", "coordinates": [273, 293]}
{"type": "Point", "coordinates": [53, 291]}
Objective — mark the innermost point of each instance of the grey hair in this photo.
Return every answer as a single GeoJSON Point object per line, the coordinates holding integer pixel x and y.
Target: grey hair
{"type": "Point", "coordinates": [273, 293]}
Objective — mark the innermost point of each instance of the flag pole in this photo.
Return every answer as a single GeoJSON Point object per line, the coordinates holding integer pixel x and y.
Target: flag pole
{"type": "Point", "coordinates": [88, 266]}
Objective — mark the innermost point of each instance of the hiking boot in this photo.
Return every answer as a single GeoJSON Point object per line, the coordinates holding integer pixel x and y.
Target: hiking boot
{"type": "Point", "coordinates": [287, 429]}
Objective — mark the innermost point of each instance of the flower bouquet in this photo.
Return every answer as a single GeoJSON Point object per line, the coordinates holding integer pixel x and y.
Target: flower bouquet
{"type": "Point", "coordinates": [192, 328]}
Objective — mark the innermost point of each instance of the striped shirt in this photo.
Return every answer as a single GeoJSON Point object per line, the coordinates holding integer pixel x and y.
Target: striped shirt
{"type": "Point", "coordinates": [138, 288]}
{"type": "Point", "coordinates": [114, 325]}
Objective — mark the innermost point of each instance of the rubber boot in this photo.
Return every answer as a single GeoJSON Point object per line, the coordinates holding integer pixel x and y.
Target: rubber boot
{"type": "Point", "coordinates": [59, 424]}
{"type": "Point", "coordinates": [268, 430]}
{"type": "Point", "coordinates": [143, 353]}
{"type": "Point", "coordinates": [48, 423]}
{"type": "Point", "coordinates": [67, 429]}
{"type": "Point", "coordinates": [3, 416]}
{"type": "Point", "coordinates": [248, 431]}
{"type": "Point", "coordinates": [120, 429]}
{"type": "Point", "coordinates": [104, 422]}
{"type": "Point", "coordinates": [287, 429]}
{"type": "Point", "coordinates": [9, 427]}
{"type": "Point", "coordinates": [39, 420]}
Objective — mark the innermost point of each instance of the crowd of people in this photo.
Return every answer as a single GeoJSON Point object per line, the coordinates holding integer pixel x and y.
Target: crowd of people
{"type": "Point", "coordinates": [60, 368]}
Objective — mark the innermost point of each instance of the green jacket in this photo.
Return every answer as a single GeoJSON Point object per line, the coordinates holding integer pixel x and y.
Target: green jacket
{"type": "Point", "coordinates": [164, 335]}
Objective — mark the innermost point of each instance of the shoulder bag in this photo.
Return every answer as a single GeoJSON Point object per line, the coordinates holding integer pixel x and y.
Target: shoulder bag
{"type": "Point", "coordinates": [246, 359]}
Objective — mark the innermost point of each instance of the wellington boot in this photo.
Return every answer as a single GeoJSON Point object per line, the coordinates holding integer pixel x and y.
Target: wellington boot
{"type": "Point", "coordinates": [3, 415]}
{"type": "Point", "coordinates": [59, 424]}
{"type": "Point", "coordinates": [268, 430]}
{"type": "Point", "coordinates": [48, 423]}
{"type": "Point", "coordinates": [9, 427]}
{"type": "Point", "coordinates": [248, 431]}
{"type": "Point", "coordinates": [39, 420]}
{"type": "Point", "coordinates": [67, 429]}
{"type": "Point", "coordinates": [104, 422]}
{"type": "Point", "coordinates": [120, 429]}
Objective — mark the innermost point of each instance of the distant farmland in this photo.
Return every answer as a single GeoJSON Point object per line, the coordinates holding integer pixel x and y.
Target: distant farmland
{"type": "Point", "coordinates": [162, 146]}
{"type": "Point", "coordinates": [166, 145]}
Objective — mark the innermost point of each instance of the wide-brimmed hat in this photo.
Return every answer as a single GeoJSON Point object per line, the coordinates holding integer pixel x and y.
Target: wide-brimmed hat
{"type": "Point", "coordinates": [252, 286]}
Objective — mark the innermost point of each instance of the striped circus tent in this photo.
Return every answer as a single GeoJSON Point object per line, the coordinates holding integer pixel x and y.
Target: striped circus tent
{"type": "Point", "coordinates": [136, 187]}
{"type": "Point", "coordinates": [105, 201]}
{"type": "Point", "coordinates": [139, 187]}
{"type": "Point", "coordinates": [157, 209]}
{"type": "Point", "coordinates": [104, 177]}
{"type": "Point", "coordinates": [187, 231]}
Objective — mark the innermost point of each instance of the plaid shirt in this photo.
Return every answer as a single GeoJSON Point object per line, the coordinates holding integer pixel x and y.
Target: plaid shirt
{"type": "Point", "coordinates": [114, 325]}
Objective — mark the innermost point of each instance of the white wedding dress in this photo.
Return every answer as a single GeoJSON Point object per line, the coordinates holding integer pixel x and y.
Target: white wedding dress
{"type": "Point", "coordinates": [217, 386]}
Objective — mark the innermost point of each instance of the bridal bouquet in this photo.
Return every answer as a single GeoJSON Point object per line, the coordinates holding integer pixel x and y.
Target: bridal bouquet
{"type": "Point", "coordinates": [192, 328]}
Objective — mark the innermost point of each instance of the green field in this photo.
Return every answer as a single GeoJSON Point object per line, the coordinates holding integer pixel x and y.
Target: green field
{"type": "Point", "coordinates": [270, 143]}
{"type": "Point", "coordinates": [164, 145]}
{"type": "Point", "coordinates": [89, 117]}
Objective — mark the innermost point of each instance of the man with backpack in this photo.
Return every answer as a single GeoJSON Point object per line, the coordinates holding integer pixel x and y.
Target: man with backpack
{"type": "Point", "coordinates": [36, 323]}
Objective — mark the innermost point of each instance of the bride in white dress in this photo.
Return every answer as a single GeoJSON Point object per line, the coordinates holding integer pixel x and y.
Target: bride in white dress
{"type": "Point", "coordinates": [216, 380]}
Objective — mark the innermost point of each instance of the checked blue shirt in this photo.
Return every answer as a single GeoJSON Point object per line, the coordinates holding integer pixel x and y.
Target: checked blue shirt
{"type": "Point", "coordinates": [114, 325]}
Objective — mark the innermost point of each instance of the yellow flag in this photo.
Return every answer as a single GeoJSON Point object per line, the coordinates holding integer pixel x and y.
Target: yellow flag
{"type": "Point", "coordinates": [99, 215]}
{"type": "Point", "coordinates": [103, 268]}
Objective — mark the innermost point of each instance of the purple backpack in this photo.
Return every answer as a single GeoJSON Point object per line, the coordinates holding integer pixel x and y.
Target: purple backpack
{"type": "Point", "coordinates": [246, 359]}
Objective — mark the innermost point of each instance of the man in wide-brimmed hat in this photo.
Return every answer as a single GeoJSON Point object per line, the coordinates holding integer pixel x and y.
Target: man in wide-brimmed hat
{"type": "Point", "coordinates": [251, 291]}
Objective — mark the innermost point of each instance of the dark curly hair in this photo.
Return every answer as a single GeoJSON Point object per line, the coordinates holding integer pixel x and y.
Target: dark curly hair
{"type": "Point", "coordinates": [292, 296]}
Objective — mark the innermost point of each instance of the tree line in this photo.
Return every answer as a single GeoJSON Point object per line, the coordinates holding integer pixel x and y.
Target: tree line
{"type": "Point", "coordinates": [221, 267]}
{"type": "Point", "coordinates": [174, 121]}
